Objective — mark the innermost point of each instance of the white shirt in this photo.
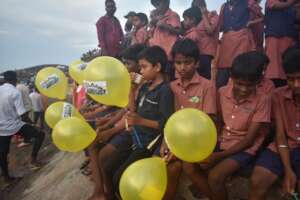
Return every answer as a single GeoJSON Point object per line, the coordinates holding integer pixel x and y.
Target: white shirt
{"type": "Point", "coordinates": [11, 109]}
{"type": "Point", "coordinates": [25, 96]}
{"type": "Point", "coordinates": [36, 100]}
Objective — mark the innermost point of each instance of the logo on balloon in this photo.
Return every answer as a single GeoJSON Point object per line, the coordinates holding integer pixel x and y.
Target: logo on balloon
{"type": "Point", "coordinates": [50, 81]}
{"type": "Point", "coordinates": [81, 66]}
{"type": "Point", "coordinates": [95, 87]}
{"type": "Point", "coordinates": [67, 110]}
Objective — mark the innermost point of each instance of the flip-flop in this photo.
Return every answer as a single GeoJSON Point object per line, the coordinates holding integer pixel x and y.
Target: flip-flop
{"type": "Point", "coordinates": [13, 181]}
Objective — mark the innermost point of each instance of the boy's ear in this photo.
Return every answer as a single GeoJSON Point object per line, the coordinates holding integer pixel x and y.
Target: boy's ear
{"type": "Point", "coordinates": [157, 67]}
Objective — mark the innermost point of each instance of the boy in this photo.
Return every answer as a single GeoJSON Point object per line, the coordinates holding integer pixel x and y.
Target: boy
{"type": "Point", "coordinates": [282, 157]}
{"type": "Point", "coordinates": [110, 125]}
{"type": "Point", "coordinates": [167, 26]}
{"type": "Point", "coordinates": [243, 111]}
{"type": "Point", "coordinates": [110, 34]}
{"type": "Point", "coordinates": [280, 34]}
{"type": "Point", "coordinates": [208, 30]}
{"type": "Point", "coordinates": [190, 91]}
{"type": "Point", "coordinates": [191, 19]}
{"type": "Point", "coordinates": [12, 115]}
{"type": "Point", "coordinates": [140, 35]}
{"type": "Point", "coordinates": [236, 39]}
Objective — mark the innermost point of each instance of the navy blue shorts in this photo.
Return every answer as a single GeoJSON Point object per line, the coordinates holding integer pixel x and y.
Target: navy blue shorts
{"type": "Point", "coordinates": [122, 142]}
{"type": "Point", "coordinates": [244, 159]}
{"type": "Point", "coordinates": [270, 160]}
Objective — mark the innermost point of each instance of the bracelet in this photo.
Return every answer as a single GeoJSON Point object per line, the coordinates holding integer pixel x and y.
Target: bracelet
{"type": "Point", "coordinates": [283, 146]}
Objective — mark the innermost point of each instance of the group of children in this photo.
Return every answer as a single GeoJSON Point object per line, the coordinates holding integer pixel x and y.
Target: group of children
{"type": "Point", "coordinates": [258, 125]}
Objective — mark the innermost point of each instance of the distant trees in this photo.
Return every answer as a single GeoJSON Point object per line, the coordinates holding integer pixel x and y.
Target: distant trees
{"type": "Point", "coordinates": [90, 55]}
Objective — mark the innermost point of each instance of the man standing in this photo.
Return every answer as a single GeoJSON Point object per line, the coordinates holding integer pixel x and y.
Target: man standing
{"type": "Point", "coordinates": [110, 34]}
{"type": "Point", "coordinates": [12, 112]}
{"type": "Point", "coordinates": [37, 107]}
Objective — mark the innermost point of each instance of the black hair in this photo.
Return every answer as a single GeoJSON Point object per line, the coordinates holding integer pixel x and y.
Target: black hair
{"type": "Point", "coordinates": [193, 13]}
{"type": "Point", "coordinates": [109, 1]}
{"type": "Point", "coordinates": [186, 47]}
{"type": "Point", "coordinates": [248, 66]}
{"type": "Point", "coordinates": [128, 26]}
{"type": "Point", "coordinates": [143, 17]}
{"type": "Point", "coordinates": [291, 60]}
{"type": "Point", "coordinates": [155, 55]}
{"type": "Point", "coordinates": [156, 2]}
{"type": "Point", "coordinates": [10, 76]}
{"type": "Point", "coordinates": [132, 52]}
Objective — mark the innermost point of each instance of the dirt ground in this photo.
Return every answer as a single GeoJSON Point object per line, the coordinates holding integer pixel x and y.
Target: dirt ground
{"type": "Point", "coordinates": [60, 178]}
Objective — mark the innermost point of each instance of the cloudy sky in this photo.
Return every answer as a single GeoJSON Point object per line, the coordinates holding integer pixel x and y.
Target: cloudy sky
{"type": "Point", "coordinates": [36, 32]}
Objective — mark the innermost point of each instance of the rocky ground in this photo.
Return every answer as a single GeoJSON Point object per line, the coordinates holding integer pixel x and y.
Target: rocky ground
{"type": "Point", "coordinates": [60, 178]}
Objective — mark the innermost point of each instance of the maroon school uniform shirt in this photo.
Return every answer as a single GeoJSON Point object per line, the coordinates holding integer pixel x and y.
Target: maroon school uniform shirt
{"type": "Point", "coordinates": [110, 35]}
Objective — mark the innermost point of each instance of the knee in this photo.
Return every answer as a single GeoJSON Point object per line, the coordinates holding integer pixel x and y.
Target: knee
{"type": "Point", "coordinates": [216, 178]}
{"type": "Point", "coordinates": [189, 169]}
{"type": "Point", "coordinates": [259, 185]}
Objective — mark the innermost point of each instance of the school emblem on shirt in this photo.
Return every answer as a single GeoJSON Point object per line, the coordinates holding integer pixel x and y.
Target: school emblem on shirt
{"type": "Point", "coordinates": [194, 99]}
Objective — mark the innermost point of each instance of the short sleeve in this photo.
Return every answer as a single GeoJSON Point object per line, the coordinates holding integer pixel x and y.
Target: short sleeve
{"type": "Point", "coordinates": [262, 113]}
{"type": "Point", "coordinates": [209, 100]}
{"type": "Point", "coordinates": [166, 105]}
{"type": "Point", "coordinates": [19, 104]}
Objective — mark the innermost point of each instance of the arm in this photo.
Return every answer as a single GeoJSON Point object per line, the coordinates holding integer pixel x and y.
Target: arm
{"type": "Point", "coordinates": [101, 34]}
{"type": "Point", "coordinates": [169, 28]}
{"type": "Point", "coordinates": [255, 21]}
{"type": "Point", "coordinates": [279, 5]}
{"type": "Point", "coordinates": [282, 146]}
{"type": "Point", "coordinates": [211, 25]}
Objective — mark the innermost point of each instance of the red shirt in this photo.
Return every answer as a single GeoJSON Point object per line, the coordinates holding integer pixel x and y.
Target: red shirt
{"type": "Point", "coordinates": [163, 38]}
{"type": "Point", "coordinates": [238, 117]}
{"type": "Point", "coordinates": [284, 105]}
{"type": "Point", "coordinates": [209, 42]}
{"type": "Point", "coordinates": [110, 35]}
{"type": "Point", "coordinates": [200, 94]}
{"type": "Point", "coordinates": [140, 36]}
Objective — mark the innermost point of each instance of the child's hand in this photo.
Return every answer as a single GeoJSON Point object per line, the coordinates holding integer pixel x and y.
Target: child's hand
{"type": "Point", "coordinates": [103, 136]}
{"type": "Point", "coordinates": [101, 121]}
{"type": "Point", "coordinates": [212, 160]}
{"type": "Point", "coordinates": [290, 181]}
{"type": "Point", "coordinates": [133, 119]}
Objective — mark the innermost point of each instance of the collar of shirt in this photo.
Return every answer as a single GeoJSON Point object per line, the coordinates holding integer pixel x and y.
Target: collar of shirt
{"type": "Point", "coordinates": [189, 31]}
{"type": "Point", "coordinates": [229, 95]}
{"type": "Point", "coordinates": [9, 85]}
{"type": "Point", "coordinates": [196, 79]}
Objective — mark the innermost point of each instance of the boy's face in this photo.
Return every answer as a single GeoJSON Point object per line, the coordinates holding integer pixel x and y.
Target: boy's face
{"type": "Point", "coordinates": [188, 22]}
{"type": "Point", "coordinates": [137, 22]}
{"type": "Point", "coordinates": [110, 8]}
{"type": "Point", "coordinates": [293, 81]}
{"type": "Point", "coordinates": [161, 7]}
{"type": "Point", "coordinates": [242, 88]}
{"type": "Point", "coordinates": [148, 71]}
{"type": "Point", "coordinates": [185, 66]}
{"type": "Point", "coordinates": [131, 65]}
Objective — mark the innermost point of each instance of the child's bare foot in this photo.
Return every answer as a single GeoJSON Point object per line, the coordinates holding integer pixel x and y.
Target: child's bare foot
{"type": "Point", "coordinates": [97, 197]}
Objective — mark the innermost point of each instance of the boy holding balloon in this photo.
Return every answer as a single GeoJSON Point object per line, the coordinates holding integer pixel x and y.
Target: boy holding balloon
{"type": "Point", "coordinates": [190, 91]}
{"type": "Point", "coordinates": [243, 110]}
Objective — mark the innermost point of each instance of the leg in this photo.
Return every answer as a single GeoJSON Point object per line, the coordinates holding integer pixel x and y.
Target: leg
{"type": "Point", "coordinates": [28, 132]}
{"type": "Point", "coordinates": [217, 178]}
{"type": "Point", "coordinates": [198, 177]}
{"type": "Point", "coordinates": [174, 171]}
{"type": "Point", "coordinates": [261, 181]}
{"type": "Point", "coordinates": [4, 150]}
{"type": "Point", "coordinates": [35, 117]}
{"type": "Point", "coordinates": [298, 187]}
{"type": "Point", "coordinates": [96, 173]}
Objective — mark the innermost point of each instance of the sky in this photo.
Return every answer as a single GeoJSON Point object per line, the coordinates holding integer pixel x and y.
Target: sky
{"type": "Point", "coordinates": [34, 32]}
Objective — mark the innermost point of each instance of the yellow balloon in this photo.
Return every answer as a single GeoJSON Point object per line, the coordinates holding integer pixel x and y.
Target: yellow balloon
{"type": "Point", "coordinates": [107, 81]}
{"type": "Point", "coordinates": [191, 135]}
{"type": "Point", "coordinates": [76, 70]}
{"type": "Point", "coordinates": [52, 83]}
{"type": "Point", "coordinates": [73, 134]}
{"type": "Point", "coordinates": [144, 180]}
{"type": "Point", "coordinates": [58, 111]}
